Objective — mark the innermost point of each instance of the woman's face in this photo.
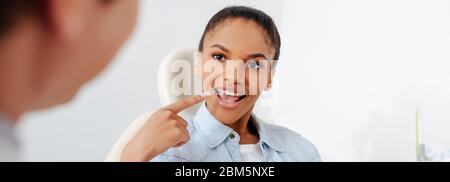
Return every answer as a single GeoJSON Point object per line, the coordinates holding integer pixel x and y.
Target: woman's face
{"type": "Point", "coordinates": [243, 45]}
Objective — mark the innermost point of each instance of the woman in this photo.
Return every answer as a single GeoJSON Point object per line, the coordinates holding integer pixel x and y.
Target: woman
{"type": "Point", "coordinates": [224, 129]}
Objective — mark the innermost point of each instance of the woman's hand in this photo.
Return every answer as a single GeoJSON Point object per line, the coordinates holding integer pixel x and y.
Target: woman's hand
{"type": "Point", "coordinates": [163, 130]}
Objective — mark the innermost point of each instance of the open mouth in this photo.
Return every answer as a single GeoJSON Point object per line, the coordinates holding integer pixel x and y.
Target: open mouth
{"type": "Point", "coordinates": [229, 99]}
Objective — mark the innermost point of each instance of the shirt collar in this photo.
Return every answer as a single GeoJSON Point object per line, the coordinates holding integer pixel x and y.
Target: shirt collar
{"type": "Point", "coordinates": [266, 134]}
{"type": "Point", "coordinates": [216, 132]}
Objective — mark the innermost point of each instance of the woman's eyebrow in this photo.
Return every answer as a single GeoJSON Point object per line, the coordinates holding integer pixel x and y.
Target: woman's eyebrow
{"type": "Point", "coordinates": [256, 55]}
{"type": "Point", "coordinates": [221, 47]}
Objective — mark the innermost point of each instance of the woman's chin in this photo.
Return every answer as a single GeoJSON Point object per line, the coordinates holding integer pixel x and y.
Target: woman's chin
{"type": "Point", "coordinates": [229, 116]}
{"type": "Point", "coordinates": [226, 119]}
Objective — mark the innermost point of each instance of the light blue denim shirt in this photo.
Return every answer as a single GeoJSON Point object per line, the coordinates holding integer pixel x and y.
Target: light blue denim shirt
{"type": "Point", "coordinates": [212, 141]}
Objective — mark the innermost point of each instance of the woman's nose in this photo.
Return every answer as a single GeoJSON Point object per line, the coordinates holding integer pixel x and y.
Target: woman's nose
{"type": "Point", "coordinates": [234, 72]}
{"type": "Point", "coordinates": [233, 76]}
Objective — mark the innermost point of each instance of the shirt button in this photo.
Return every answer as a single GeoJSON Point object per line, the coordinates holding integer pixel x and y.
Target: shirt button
{"type": "Point", "coordinates": [232, 136]}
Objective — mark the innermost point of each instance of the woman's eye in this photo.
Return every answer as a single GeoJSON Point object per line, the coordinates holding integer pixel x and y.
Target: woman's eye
{"type": "Point", "coordinates": [219, 57]}
{"type": "Point", "coordinates": [254, 65]}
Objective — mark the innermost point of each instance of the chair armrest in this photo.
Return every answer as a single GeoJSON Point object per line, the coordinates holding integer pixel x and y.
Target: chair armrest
{"type": "Point", "coordinates": [115, 153]}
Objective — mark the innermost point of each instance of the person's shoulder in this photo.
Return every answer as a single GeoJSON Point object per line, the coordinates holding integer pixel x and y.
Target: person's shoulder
{"type": "Point", "coordinates": [293, 142]}
{"type": "Point", "coordinates": [286, 135]}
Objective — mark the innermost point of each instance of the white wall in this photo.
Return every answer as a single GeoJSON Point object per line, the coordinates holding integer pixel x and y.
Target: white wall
{"type": "Point", "coordinates": [350, 77]}
{"type": "Point", "coordinates": [353, 72]}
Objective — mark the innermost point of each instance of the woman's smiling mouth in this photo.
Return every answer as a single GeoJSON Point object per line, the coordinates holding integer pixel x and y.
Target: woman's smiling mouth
{"type": "Point", "coordinates": [229, 99]}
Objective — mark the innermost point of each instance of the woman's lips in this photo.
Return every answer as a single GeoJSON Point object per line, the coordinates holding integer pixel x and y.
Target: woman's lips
{"type": "Point", "coordinates": [229, 100]}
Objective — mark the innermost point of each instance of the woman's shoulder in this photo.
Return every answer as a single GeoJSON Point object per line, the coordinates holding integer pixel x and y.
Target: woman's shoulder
{"type": "Point", "coordinates": [285, 134]}
{"type": "Point", "coordinates": [292, 141]}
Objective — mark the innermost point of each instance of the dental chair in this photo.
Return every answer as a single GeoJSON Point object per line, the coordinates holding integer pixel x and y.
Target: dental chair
{"type": "Point", "coordinates": [167, 71]}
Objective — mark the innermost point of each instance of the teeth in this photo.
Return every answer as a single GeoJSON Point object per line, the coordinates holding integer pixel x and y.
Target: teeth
{"type": "Point", "coordinates": [228, 101]}
{"type": "Point", "coordinates": [228, 92]}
